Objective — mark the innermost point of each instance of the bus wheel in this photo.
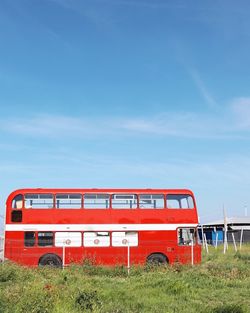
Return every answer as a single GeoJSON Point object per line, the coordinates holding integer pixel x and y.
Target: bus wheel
{"type": "Point", "coordinates": [50, 259]}
{"type": "Point", "coordinates": [157, 259]}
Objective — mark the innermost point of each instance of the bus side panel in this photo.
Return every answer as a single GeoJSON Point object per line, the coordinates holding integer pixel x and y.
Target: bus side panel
{"type": "Point", "coordinates": [163, 242]}
{"type": "Point", "coordinates": [13, 246]}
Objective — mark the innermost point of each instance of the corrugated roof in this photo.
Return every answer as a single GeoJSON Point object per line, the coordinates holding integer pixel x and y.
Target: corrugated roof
{"type": "Point", "coordinates": [230, 220]}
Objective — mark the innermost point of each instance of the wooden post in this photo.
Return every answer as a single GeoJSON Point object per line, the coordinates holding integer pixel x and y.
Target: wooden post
{"type": "Point", "coordinates": [128, 261]}
{"type": "Point", "coordinates": [202, 234]}
{"type": "Point", "coordinates": [63, 256]}
{"type": "Point", "coordinates": [225, 231]}
{"type": "Point", "coordinates": [241, 237]}
{"type": "Point", "coordinates": [235, 247]}
{"type": "Point", "coordinates": [192, 251]}
{"type": "Point", "coordinates": [206, 245]}
{"type": "Point", "coordinates": [216, 239]}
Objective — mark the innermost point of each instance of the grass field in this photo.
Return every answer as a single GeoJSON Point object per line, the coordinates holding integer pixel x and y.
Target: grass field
{"type": "Point", "coordinates": [220, 284]}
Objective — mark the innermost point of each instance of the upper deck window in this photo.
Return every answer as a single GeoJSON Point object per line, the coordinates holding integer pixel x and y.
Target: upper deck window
{"type": "Point", "coordinates": [96, 201]}
{"type": "Point", "coordinates": [151, 201]}
{"type": "Point", "coordinates": [17, 216]}
{"type": "Point", "coordinates": [17, 202]}
{"type": "Point", "coordinates": [180, 202]}
{"type": "Point", "coordinates": [124, 201]}
{"type": "Point", "coordinates": [39, 201]}
{"type": "Point", "coordinates": [68, 201]}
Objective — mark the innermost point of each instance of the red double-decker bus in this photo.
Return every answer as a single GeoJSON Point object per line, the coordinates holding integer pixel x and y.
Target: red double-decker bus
{"type": "Point", "coordinates": [57, 226]}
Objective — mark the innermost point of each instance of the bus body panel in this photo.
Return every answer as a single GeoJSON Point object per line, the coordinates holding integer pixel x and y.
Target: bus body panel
{"type": "Point", "coordinates": [156, 229]}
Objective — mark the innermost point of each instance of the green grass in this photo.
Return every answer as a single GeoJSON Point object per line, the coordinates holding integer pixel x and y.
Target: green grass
{"type": "Point", "coordinates": [221, 284]}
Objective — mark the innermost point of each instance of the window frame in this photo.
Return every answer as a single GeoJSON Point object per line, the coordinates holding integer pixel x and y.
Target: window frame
{"type": "Point", "coordinates": [39, 194]}
{"type": "Point", "coordinates": [96, 239]}
{"type": "Point", "coordinates": [179, 208]}
{"type": "Point", "coordinates": [34, 238]}
{"type": "Point", "coordinates": [19, 215]}
{"type": "Point", "coordinates": [125, 194]}
{"type": "Point", "coordinates": [152, 194]}
{"type": "Point", "coordinates": [187, 244]}
{"type": "Point", "coordinates": [96, 194]}
{"type": "Point", "coordinates": [18, 195]}
{"type": "Point", "coordinates": [46, 245]}
{"type": "Point", "coordinates": [67, 208]}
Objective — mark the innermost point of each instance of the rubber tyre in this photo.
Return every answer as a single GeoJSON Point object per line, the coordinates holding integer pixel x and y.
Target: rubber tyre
{"type": "Point", "coordinates": [51, 260]}
{"type": "Point", "coordinates": [157, 259]}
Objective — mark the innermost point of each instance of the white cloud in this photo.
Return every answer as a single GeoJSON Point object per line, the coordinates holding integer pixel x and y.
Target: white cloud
{"type": "Point", "coordinates": [241, 110]}
{"type": "Point", "coordinates": [232, 122]}
{"type": "Point", "coordinates": [205, 93]}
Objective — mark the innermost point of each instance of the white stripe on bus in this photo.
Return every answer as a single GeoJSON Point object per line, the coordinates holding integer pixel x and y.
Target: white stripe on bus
{"type": "Point", "coordinates": [94, 227]}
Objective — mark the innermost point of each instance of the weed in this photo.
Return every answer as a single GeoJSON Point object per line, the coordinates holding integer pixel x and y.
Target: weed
{"type": "Point", "coordinates": [39, 301]}
{"type": "Point", "coordinates": [229, 308]}
{"type": "Point", "coordinates": [87, 301]}
{"type": "Point", "coordinates": [95, 289]}
{"type": "Point", "coordinates": [7, 273]}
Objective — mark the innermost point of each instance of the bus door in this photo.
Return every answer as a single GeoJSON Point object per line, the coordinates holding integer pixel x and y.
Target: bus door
{"type": "Point", "coordinates": [186, 240]}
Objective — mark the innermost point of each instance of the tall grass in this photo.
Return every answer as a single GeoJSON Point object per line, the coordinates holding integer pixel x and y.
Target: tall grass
{"type": "Point", "coordinates": [220, 284]}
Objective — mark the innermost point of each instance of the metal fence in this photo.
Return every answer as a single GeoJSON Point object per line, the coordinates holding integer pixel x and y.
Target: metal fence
{"type": "Point", "coordinates": [234, 238]}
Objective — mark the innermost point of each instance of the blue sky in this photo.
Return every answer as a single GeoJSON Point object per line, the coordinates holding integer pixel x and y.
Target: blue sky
{"type": "Point", "coordinates": [120, 93]}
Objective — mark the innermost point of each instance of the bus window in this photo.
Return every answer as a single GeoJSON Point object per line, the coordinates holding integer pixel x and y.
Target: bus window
{"type": "Point", "coordinates": [17, 202]}
{"type": "Point", "coordinates": [180, 202]}
{"type": "Point", "coordinates": [68, 201]}
{"type": "Point", "coordinates": [29, 238]}
{"type": "Point", "coordinates": [96, 201]}
{"type": "Point", "coordinates": [185, 236]}
{"type": "Point", "coordinates": [123, 201]}
{"type": "Point", "coordinates": [68, 239]}
{"type": "Point", "coordinates": [151, 201]}
{"type": "Point", "coordinates": [16, 216]}
{"type": "Point", "coordinates": [39, 201]}
{"type": "Point", "coordinates": [96, 239]}
{"type": "Point", "coordinates": [45, 239]}
{"type": "Point", "coordinates": [122, 238]}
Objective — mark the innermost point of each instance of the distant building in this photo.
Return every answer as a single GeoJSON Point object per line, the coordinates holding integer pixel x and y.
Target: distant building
{"type": "Point", "coordinates": [239, 226]}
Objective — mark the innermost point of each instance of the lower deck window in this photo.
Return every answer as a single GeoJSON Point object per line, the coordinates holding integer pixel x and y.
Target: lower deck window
{"type": "Point", "coordinates": [186, 236]}
{"type": "Point", "coordinates": [45, 239]}
{"type": "Point", "coordinates": [68, 239]}
{"type": "Point", "coordinates": [128, 238]}
{"type": "Point", "coordinates": [96, 239]}
{"type": "Point", "coordinates": [29, 238]}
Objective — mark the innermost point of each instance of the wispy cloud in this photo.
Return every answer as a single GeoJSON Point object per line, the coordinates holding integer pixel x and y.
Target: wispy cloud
{"type": "Point", "coordinates": [241, 110]}
{"type": "Point", "coordinates": [149, 4]}
{"type": "Point", "coordinates": [158, 4]}
{"type": "Point", "coordinates": [87, 11]}
{"type": "Point", "coordinates": [233, 122]}
{"type": "Point", "coordinates": [202, 88]}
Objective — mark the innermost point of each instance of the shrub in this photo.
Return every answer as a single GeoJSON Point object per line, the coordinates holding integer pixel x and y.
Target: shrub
{"type": "Point", "coordinates": [87, 300]}
{"type": "Point", "coordinates": [7, 273]}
